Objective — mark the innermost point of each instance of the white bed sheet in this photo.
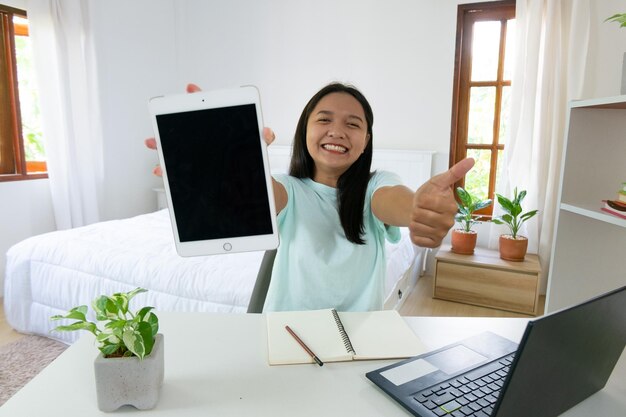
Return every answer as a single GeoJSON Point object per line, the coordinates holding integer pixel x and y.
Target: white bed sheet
{"type": "Point", "coordinates": [50, 273]}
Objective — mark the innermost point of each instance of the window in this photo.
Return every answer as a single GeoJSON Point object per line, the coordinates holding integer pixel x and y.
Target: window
{"type": "Point", "coordinates": [482, 88]}
{"type": "Point", "coordinates": [22, 154]}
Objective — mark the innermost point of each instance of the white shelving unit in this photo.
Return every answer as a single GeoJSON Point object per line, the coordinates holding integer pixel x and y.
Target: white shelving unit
{"type": "Point", "coordinates": [589, 246]}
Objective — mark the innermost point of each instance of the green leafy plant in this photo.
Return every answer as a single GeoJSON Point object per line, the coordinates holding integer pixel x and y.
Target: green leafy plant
{"type": "Point", "coordinates": [468, 205]}
{"type": "Point", "coordinates": [619, 18]}
{"type": "Point", "coordinates": [513, 208]}
{"type": "Point", "coordinates": [122, 333]}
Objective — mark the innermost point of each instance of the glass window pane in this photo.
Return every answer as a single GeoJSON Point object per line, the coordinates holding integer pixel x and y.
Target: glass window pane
{"type": "Point", "coordinates": [29, 99]}
{"type": "Point", "coordinates": [505, 114]}
{"type": "Point", "coordinates": [509, 53]}
{"type": "Point", "coordinates": [481, 115]}
{"type": "Point", "coordinates": [477, 180]}
{"type": "Point", "coordinates": [485, 51]}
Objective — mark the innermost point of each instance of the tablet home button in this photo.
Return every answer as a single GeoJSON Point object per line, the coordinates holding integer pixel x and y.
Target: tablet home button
{"type": "Point", "coordinates": [228, 247]}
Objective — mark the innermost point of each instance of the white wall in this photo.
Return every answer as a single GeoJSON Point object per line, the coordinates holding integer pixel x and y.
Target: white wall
{"type": "Point", "coordinates": [136, 52]}
{"type": "Point", "coordinates": [608, 44]}
{"type": "Point", "coordinates": [400, 53]}
{"type": "Point", "coordinates": [25, 210]}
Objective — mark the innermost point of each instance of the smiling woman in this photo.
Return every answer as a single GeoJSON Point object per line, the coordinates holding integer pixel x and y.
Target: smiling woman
{"type": "Point", "coordinates": [337, 135]}
{"type": "Point", "coordinates": [334, 215]}
{"type": "Point", "coordinates": [22, 154]}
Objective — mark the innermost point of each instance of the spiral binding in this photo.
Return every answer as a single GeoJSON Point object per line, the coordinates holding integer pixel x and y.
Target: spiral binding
{"type": "Point", "coordinates": [342, 331]}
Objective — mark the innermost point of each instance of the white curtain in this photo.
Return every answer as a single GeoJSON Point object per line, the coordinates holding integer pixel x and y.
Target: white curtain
{"type": "Point", "coordinates": [552, 38]}
{"type": "Point", "coordinates": [67, 80]}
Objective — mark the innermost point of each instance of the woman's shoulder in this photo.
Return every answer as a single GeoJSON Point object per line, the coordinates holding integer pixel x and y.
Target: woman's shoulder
{"type": "Point", "coordinates": [285, 178]}
{"type": "Point", "coordinates": [290, 182]}
{"type": "Point", "coordinates": [282, 177]}
{"type": "Point", "coordinates": [381, 178]}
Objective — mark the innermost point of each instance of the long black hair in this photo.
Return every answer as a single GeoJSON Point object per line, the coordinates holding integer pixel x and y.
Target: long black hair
{"type": "Point", "coordinates": [352, 184]}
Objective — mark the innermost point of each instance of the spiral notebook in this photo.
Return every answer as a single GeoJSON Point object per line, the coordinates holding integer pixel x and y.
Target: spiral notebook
{"type": "Point", "coordinates": [340, 336]}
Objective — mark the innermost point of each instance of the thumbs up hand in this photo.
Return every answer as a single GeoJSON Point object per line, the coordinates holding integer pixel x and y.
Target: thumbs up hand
{"type": "Point", "coordinates": [434, 206]}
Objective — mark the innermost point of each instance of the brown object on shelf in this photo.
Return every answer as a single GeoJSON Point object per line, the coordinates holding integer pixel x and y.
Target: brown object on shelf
{"type": "Point", "coordinates": [463, 242]}
{"type": "Point", "coordinates": [484, 279]}
{"type": "Point", "coordinates": [513, 249]}
{"type": "Point", "coordinates": [617, 205]}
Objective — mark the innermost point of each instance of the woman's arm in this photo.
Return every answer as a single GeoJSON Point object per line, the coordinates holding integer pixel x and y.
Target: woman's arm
{"type": "Point", "coordinates": [429, 212]}
{"type": "Point", "coordinates": [280, 195]}
{"type": "Point", "coordinates": [393, 205]}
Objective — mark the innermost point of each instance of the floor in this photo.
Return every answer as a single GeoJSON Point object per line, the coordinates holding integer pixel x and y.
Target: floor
{"type": "Point", "coordinates": [7, 334]}
{"type": "Point", "coordinates": [418, 303]}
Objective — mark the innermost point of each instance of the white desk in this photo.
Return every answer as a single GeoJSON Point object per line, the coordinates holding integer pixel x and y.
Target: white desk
{"type": "Point", "coordinates": [222, 371]}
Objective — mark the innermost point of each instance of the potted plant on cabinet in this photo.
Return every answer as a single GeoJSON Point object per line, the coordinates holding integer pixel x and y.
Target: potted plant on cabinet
{"type": "Point", "coordinates": [513, 247]}
{"type": "Point", "coordinates": [464, 239]}
{"type": "Point", "coordinates": [129, 368]}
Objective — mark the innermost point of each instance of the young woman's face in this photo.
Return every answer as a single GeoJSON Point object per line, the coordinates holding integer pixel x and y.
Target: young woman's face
{"type": "Point", "coordinates": [336, 136]}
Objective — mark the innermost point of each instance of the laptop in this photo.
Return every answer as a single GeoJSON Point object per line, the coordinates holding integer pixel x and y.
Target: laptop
{"type": "Point", "coordinates": [562, 358]}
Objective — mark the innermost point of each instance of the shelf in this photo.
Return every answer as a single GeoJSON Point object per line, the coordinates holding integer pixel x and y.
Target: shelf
{"type": "Point", "coordinates": [594, 213]}
{"type": "Point", "coordinates": [615, 102]}
{"type": "Point", "coordinates": [587, 257]}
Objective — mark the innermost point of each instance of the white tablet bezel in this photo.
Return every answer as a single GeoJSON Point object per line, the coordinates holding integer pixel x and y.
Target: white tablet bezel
{"type": "Point", "coordinates": [180, 103]}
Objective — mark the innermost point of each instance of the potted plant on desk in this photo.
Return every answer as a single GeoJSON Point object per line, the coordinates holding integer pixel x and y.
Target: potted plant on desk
{"type": "Point", "coordinates": [512, 246]}
{"type": "Point", "coordinates": [129, 368]}
{"type": "Point", "coordinates": [464, 239]}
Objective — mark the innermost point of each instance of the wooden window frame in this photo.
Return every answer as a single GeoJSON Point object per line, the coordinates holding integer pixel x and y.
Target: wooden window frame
{"type": "Point", "coordinates": [468, 14]}
{"type": "Point", "coordinates": [11, 140]}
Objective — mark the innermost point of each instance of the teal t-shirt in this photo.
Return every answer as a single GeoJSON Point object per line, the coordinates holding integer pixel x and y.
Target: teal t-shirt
{"type": "Point", "coordinates": [316, 266]}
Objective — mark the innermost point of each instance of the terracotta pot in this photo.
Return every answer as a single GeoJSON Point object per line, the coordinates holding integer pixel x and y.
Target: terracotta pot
{"type": "Point", "coordinates": [463, 242]}
{"type": "Point", "coordinates": [513, 249]}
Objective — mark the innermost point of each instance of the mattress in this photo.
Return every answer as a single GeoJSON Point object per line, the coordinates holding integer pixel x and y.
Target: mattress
{"type": "Point", "coordinates": [51, 273]}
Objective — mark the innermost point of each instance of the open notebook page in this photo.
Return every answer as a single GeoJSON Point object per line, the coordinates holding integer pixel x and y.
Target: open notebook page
{"type": "Point", "coordinates": [373, 335]}
{"type": "Point", "coordinates": [381, 334]}
{"type": "Point", "coordinates": [316, 328]}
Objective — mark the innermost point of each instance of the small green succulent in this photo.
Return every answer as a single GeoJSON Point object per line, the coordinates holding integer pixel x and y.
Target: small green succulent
{"type": "Point", "coordinates": [468, 205]}
{"type": "Point", "coordinates": [513, 208]}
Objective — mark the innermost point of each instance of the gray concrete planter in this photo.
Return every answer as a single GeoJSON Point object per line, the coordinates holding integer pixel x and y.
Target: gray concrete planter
{"type": "Point", "coordinates": [130, 381]}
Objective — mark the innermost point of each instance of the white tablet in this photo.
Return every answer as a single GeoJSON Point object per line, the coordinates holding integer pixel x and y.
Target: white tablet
{"type": "Point", "coordinates": [215, 171]}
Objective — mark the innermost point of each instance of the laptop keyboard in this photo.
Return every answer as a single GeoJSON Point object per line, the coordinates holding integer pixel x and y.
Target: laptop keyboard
{"type": "Point", "coordinates": [469, 395]}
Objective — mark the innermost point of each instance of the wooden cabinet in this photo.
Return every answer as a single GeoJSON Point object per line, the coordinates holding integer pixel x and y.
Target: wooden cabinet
{"type": "Point", "coordinates": [486, 280]}
{"type": "Point", "coordinates": [589, 246]}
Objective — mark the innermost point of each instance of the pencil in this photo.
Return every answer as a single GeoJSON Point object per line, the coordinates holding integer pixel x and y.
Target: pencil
{"type": "Point", "coordinates": [304, 346]}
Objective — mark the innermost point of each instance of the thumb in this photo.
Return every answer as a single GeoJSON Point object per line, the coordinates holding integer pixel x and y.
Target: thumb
{"type": "Point", "coordinates": [448, 178]}
{"type": "Point", "coordinates": [193, 88]}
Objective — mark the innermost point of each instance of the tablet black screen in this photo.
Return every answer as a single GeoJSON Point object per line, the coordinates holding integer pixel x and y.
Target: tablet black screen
{"type": "Point", "coordinates": [215, 173]}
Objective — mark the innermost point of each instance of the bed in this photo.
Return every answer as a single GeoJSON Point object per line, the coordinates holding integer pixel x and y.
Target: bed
{"type": "Point", "coordinates": [53, 272]}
